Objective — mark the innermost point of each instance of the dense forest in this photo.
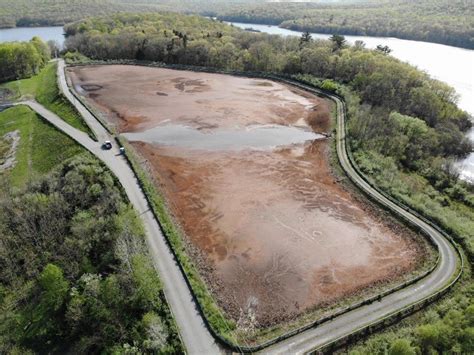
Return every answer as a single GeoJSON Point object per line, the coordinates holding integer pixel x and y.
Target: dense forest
{"type": "Point", "coordinates": [440, 21]}
{"type": "Point", "coordinates": [404, 127]}
{"type": "Point", "coordinates": [23, 13]}
{"type": "Point", "coordinates": [75, 276]}
{"type": "Point", "coordinates": [447, 328]}
{"type": "Point", "coordinates": [20, 60]}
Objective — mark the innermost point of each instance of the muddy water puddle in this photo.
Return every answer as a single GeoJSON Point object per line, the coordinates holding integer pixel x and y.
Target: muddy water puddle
{"type": "Point", "coordinates": [248, 181]}
{"type": "Point", "coordinates": [251, 137]}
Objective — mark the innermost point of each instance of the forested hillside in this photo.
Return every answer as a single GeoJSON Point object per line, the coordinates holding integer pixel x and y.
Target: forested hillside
{"type": "Point", "coordinates": [20, 60]}
{"type": "Point", "coordinates": [441, 21]}
{"type": "Point", "coordinates": [18, 13]}
{"type": "Point", "coordinates": [404, 127]}
{"type": "Point", "coordinates": [75, 275]}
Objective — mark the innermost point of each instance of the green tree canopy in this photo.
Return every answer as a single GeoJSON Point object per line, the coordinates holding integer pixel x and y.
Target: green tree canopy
{"type": "Point", "coordinates": [401, 347]}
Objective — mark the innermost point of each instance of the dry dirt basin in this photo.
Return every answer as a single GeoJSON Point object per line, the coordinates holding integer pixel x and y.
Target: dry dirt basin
{"type": "Point", "coordinates": [250, 185]}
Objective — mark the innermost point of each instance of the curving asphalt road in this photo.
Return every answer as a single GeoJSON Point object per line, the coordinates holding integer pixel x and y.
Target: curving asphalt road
{"type": "Point", "coordinates": [364, 316]}
{"type": "Point", "coordinates": [194, 333]}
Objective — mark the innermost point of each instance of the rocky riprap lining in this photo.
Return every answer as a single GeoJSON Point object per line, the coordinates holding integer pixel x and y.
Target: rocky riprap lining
{"type": "Point", "coordinates": [8, 145]}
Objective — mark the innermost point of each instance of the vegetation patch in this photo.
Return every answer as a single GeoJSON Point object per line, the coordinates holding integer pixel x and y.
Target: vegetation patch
{"type": "Point", "coordinates": [4, 148]}
{"type": "Point", "coordinates": [80, 280]}
{"type": "Point", "coordinates": [22, 59]}
{"type": "Point", "coordinates": [445, 327]}
{"type": "Point", "coordinates": [44, 88]}
{"type": "Point", "coordinates": [5, 94]}
{"type": "Point", "coordinates": [41, 147]}
{"type": "Point", "coordinates": [441, 21]}
{"type": "Point", "coordinates": [8, 146]}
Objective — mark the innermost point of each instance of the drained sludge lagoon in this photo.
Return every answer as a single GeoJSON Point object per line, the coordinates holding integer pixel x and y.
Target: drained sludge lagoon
{"type": "Point", "coordinates": [244, 167]}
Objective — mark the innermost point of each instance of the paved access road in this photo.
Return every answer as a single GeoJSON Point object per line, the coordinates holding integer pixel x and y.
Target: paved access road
{"type": "Point", "coordinates": [195, 335]}
{"type": "Point", "coordinates": [361, 317]}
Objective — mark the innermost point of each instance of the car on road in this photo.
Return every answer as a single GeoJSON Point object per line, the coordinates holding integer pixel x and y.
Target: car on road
{"type": "Point", "coordinates": [107, 145]}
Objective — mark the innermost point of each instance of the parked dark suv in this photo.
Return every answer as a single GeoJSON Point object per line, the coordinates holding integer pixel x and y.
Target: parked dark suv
{"type": "Point", "coordinates": [107, 145]}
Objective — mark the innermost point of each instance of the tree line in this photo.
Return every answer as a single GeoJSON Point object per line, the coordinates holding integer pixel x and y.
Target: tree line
{"type": "Point", "coordinates": [75, 276]}
{"type": "Point", "coordinates": [440, 21]}
{"type": "Point", "coordinates": [26, 13]}
{"type": "Point", "coordinates": [448, 330]}
{"type": "Point", "coordinates": [20, 60]}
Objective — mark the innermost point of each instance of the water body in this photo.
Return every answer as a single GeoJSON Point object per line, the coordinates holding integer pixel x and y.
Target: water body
{"type": "Point", "coordinates": [55, 33]}
{"type": "Point", "coordinates": [257, 137]}
{"type": "Point", "coordinates": [452, 65]}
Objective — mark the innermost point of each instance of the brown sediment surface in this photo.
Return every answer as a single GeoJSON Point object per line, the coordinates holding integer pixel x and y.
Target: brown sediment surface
{"type": "Point", "coordinates": [272, 230]}
{"type": "Point", "coordinates": [138, 98]}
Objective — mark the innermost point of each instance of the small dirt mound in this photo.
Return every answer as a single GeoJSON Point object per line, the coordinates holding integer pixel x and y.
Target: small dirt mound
{"type": "Point", "coordinates": [5, 94]}
{"type": "Point", "coordinates": [264, 84]}
{"type": "Point", "coordinates": [8, 145]}
{"type": "Point", "coordinates": [91, 87]}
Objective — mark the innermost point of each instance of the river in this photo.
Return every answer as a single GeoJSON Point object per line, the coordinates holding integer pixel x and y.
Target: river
{"type": "Point", "coordinates": [454, 66]}
{"type": "Point", "coordinates": [55, 33]}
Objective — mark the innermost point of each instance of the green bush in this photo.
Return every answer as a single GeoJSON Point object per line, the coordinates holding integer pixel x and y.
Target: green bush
{"type": "Point", "coordinates": [75, 58]}
{"type": "Point", "coordinates": [329, 85]}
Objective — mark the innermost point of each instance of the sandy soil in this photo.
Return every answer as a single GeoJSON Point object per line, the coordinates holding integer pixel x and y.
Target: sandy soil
{"type": "Point", "coordinates": [275, 233]}
{"type": "Point", "coordinates": [8, 146]}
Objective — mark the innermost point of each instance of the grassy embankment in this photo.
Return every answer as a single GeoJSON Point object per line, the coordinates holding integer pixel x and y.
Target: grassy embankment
{"type": "Point", "coordinates": [41, 146]}
{"type": "Point", "coordinates": [49, 169]}
{"type": "Point", "coordinates": [447, 325]}
{"type": "Point", "coordinates": [44, 89]}
{"type": "Point", "coordinates": [415, 191]}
